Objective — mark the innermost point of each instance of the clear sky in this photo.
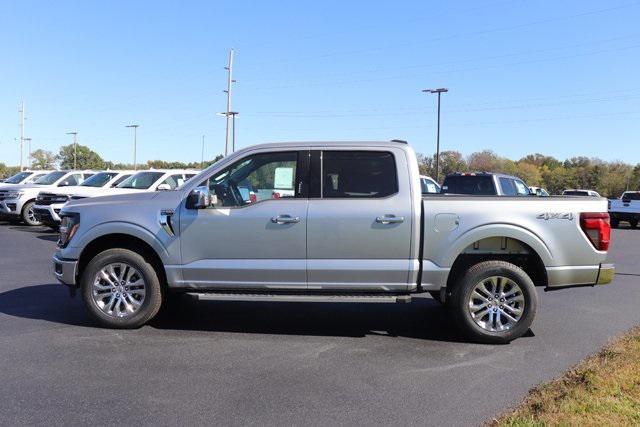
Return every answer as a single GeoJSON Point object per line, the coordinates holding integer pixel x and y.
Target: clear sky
{"type": "Point", "coordinates": [557, 77]}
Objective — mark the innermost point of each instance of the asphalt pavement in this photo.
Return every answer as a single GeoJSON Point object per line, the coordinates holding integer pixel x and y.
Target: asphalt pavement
{"type": "Point", "coordinates": [281, 363]}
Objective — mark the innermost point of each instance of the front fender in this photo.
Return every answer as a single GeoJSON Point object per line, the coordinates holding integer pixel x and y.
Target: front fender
{"type": "Point", "coordinates": [497, 230]}
{"type": "Point", "coordinates": [76, 247]}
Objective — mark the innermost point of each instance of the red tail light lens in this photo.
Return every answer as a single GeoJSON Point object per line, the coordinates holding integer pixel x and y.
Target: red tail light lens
{"type": "Point", "coordinates": [597, 228]}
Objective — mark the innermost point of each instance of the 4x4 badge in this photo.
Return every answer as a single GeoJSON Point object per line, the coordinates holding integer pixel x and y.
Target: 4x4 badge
{"type": "Point", "coordinates": [555, 215]}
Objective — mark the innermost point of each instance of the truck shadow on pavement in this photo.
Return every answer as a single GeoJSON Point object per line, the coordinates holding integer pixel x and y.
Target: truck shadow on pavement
{"type": "Point", "coordinates": [421, 319]}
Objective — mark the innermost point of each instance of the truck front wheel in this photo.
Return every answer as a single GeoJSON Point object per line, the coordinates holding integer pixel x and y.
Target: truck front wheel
{"type": "Point", "coordinates": [28, 216]}
{"type": "Point", "coordinates": [120, 289]}
{"type": "Point", "coordinates": [494, 302]}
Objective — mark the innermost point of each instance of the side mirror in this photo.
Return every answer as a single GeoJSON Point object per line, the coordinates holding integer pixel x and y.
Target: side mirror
{"type": "Point", "coordinates": [200, 198]}
{"type": "Point", "coordinates": [163, 187]}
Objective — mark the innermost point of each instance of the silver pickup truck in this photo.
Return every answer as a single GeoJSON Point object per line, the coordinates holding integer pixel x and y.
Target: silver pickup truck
{"type": "Point", "coordinates": [329, 221]}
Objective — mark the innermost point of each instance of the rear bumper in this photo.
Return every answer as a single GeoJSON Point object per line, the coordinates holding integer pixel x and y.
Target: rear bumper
{"type": "Point", "coordinates": [624, 216]}
{"type": "Point", "coordinates": [65, 270]}
{"type": "Point", "coordinates": [583, 275]}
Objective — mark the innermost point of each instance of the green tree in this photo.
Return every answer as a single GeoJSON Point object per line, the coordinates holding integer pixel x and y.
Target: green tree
{"type": "Point", "coordinates": [86, 158]}
{"type": "Point", "coordinates": [43, 159]}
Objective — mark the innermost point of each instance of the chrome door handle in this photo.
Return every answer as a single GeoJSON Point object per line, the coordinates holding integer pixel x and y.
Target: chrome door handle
{"type": "Point", "coordinates": [285, 219]}
{"type": "Point", "coordinates": [389, 219]}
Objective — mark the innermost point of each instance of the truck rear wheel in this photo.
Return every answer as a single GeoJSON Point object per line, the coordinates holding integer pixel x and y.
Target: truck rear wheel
{"type": "Point", "coordinates": [120, 289]}
{"type": "Point", "coordinates": [494, 302]}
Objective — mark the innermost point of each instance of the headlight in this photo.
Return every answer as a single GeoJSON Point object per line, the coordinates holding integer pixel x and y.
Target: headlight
{"type": "Point", "coordinates": [14, 194]}
{"type": "Point", "coordinates": [68, 227]}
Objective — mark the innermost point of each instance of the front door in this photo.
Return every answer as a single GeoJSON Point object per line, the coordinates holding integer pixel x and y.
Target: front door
{"type": "Point", "coordinates": [255, 235]}
{"type": "Point", "coordinates": [360, 221]}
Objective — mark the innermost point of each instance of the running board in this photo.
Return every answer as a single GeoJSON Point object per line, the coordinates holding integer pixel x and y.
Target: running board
{"type": "Point", "coordinates": [263, 297]}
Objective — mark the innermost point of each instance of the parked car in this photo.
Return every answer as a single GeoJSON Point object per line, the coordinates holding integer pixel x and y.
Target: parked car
{"type": "Point", "coordinates": [484, 184]}
{"type": "Point", "coordinates": [429, 185]}
{"type": "Point", "coordinates": [24, 177]}
{"type": "Point", "coordinates": [48, 203]}
{"type": "Point", "coordinates": [17, 202]}
{"type": "Point", "coordinates": [538, 191]}
{"type": "Point", "coordinates": [627, 208]}
{"type": "Point", "coordinates": [581, 193]}
{"type": "Point", "coordinates": [355, 228]}
{"type": "Point", "coordinates": [146, 180]}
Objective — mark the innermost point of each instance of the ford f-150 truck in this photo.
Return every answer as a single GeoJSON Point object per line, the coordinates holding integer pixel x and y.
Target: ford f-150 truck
{"type": "Point", "coordinates": [626, 208]}
{"type": "Point", "coordinates": [329, 221]}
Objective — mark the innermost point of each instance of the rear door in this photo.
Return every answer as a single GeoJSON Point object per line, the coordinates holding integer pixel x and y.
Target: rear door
{"type": "Point", "coordinates": [359, 221]}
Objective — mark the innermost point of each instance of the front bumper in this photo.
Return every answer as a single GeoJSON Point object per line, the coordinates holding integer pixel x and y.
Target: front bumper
{"type": "Point", "coordinates": [65, 270]}
{"type": "Point", "coordinates": [10, 207]}
{"type": "Point", "coordinates": [48, 214]}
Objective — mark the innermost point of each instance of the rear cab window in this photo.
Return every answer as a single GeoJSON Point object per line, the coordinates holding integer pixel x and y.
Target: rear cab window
{"type": "Point", "coordinates": [481, 185]}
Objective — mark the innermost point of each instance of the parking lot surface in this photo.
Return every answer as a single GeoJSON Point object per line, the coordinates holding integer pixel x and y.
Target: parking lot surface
{"type": "Point", "coordinates": [281, 363]}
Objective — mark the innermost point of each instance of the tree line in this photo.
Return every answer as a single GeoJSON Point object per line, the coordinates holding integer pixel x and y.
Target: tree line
{"type": "Point", "coordinates": [86, 158]}
{"type": "Point", "coordinates": [609, 179]}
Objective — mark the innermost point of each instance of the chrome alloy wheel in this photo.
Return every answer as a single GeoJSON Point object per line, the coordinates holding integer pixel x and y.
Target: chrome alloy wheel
{"type": "Point", "coordinates": [118, 289]}
{"type": "Point", "coordinates": [496, 304]}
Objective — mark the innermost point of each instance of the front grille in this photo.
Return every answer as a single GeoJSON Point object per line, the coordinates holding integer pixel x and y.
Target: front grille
{"type": "Point", "coordinates": [3, 194]}
{"type": "Point", "coordinates": [46, 199]}
{"type": "Point", "coordinates": [42, 215]}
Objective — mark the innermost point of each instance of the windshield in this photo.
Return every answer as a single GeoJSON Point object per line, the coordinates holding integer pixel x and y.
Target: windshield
{"type": "Point", "coordinates": [480, 185]}
{"type": "Point", "coordinates": [575, 193]}
{"type": "Point", "coordinates": [141, 180]}
{"type": "Point", "coordinates": [631, 196]}
{"type": "Point", "coordinates": [99, 179]}
{"type": "Point", "coordinates": [50, 178]}
{"type": "Point", "coordinates": [17, 178]}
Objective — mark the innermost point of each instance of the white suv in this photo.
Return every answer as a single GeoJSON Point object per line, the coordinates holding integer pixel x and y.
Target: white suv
{"type": "Point", "coordinates": [49, 202]}
{"type": "Point", "coordinates": [17, 202]}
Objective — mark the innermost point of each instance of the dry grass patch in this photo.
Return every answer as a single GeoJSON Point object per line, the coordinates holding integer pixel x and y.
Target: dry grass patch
{"type": "Point", "coordinates": [602, 390]}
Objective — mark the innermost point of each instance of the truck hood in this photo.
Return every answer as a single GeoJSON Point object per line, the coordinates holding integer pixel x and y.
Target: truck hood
{"type": "Point", "coordinates": [133, 199]}
{"type": "Point", "coordinates": [100, 192]}
{"type": "Point", "coordinates": [18, 187]}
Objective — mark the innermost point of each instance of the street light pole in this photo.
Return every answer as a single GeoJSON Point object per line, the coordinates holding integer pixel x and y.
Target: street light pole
{"type": "Point", "coordinates": [135, 143]}
{"type": "Point", "coordinates": [232, 115]}
{"type": "Point", "coordinates": [439, 91]}
{"type": "Point", "coordinates": [75, 149]}
{"type": "Point", "coordinates": [202, 157]}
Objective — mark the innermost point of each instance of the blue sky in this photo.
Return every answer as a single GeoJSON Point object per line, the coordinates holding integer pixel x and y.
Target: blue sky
{"type": "Point", "coordinates": [556, 77]}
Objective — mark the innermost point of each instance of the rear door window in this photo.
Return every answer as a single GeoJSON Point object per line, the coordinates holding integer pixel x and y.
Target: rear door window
{"type": "Point", "coordinates": [358, 174]}
{"type": "Point", "coordinates": [428, 186]}
{"type": "Point", "coordinates": [508, 187]}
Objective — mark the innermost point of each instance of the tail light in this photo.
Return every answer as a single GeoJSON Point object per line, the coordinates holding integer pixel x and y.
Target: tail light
{"type": "Point", "coordinates": [597, 228]}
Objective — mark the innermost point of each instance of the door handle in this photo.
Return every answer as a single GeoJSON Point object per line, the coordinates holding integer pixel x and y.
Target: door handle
{"type": "Point", "coordinates": [285, 219]}
{"type": "Point", "coordinates": [389, 219]}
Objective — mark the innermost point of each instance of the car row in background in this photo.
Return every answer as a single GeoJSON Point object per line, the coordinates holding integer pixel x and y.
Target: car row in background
{"type": "Point", "coordinates": [39, 201]}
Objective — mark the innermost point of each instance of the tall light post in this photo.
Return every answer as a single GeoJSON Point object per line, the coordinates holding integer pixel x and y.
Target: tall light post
{"type": "Point", "coordinates": [75, 149]}
{"type": "Point", "coordinates": [202, 156]}
{"type": "Point", "coordinates": [439, 91]}
{"type": "Point", "coordinates": [135, 143]}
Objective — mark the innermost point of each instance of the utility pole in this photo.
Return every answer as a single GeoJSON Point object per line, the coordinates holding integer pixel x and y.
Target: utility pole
{"type": "Point", "coordinates": [75, 149]}
{"type": "Point", "coordinates": [202, 157]}
{"type": "Point", "coordinates": [230, 82]}
{"type": "Point", "coordinates": [22, 136]}
{"type": "Point", "coordinates": [135, 143]}
{"type": "Point", "coordinates": [233, 115]}
{"type": "Point", "coordinates": [28, 140]}
{"type": "Point", "coordinates": [439, 91]}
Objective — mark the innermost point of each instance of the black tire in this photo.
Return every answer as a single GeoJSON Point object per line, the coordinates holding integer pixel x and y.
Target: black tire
{"type": "Point", "coordinates": [460, 295]}
{"type": "Point", "coordinates": [615, 223]}
{"type": "Point", "coordinates": [25, 214]}
{"type": "Point", "coordinates": [633, 223]}
{"type": "Point", "coordinates": [153, 291]}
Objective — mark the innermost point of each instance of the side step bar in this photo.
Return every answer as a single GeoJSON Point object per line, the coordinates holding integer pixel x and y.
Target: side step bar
{"type": "Point", "coordinates": [273, 297]}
